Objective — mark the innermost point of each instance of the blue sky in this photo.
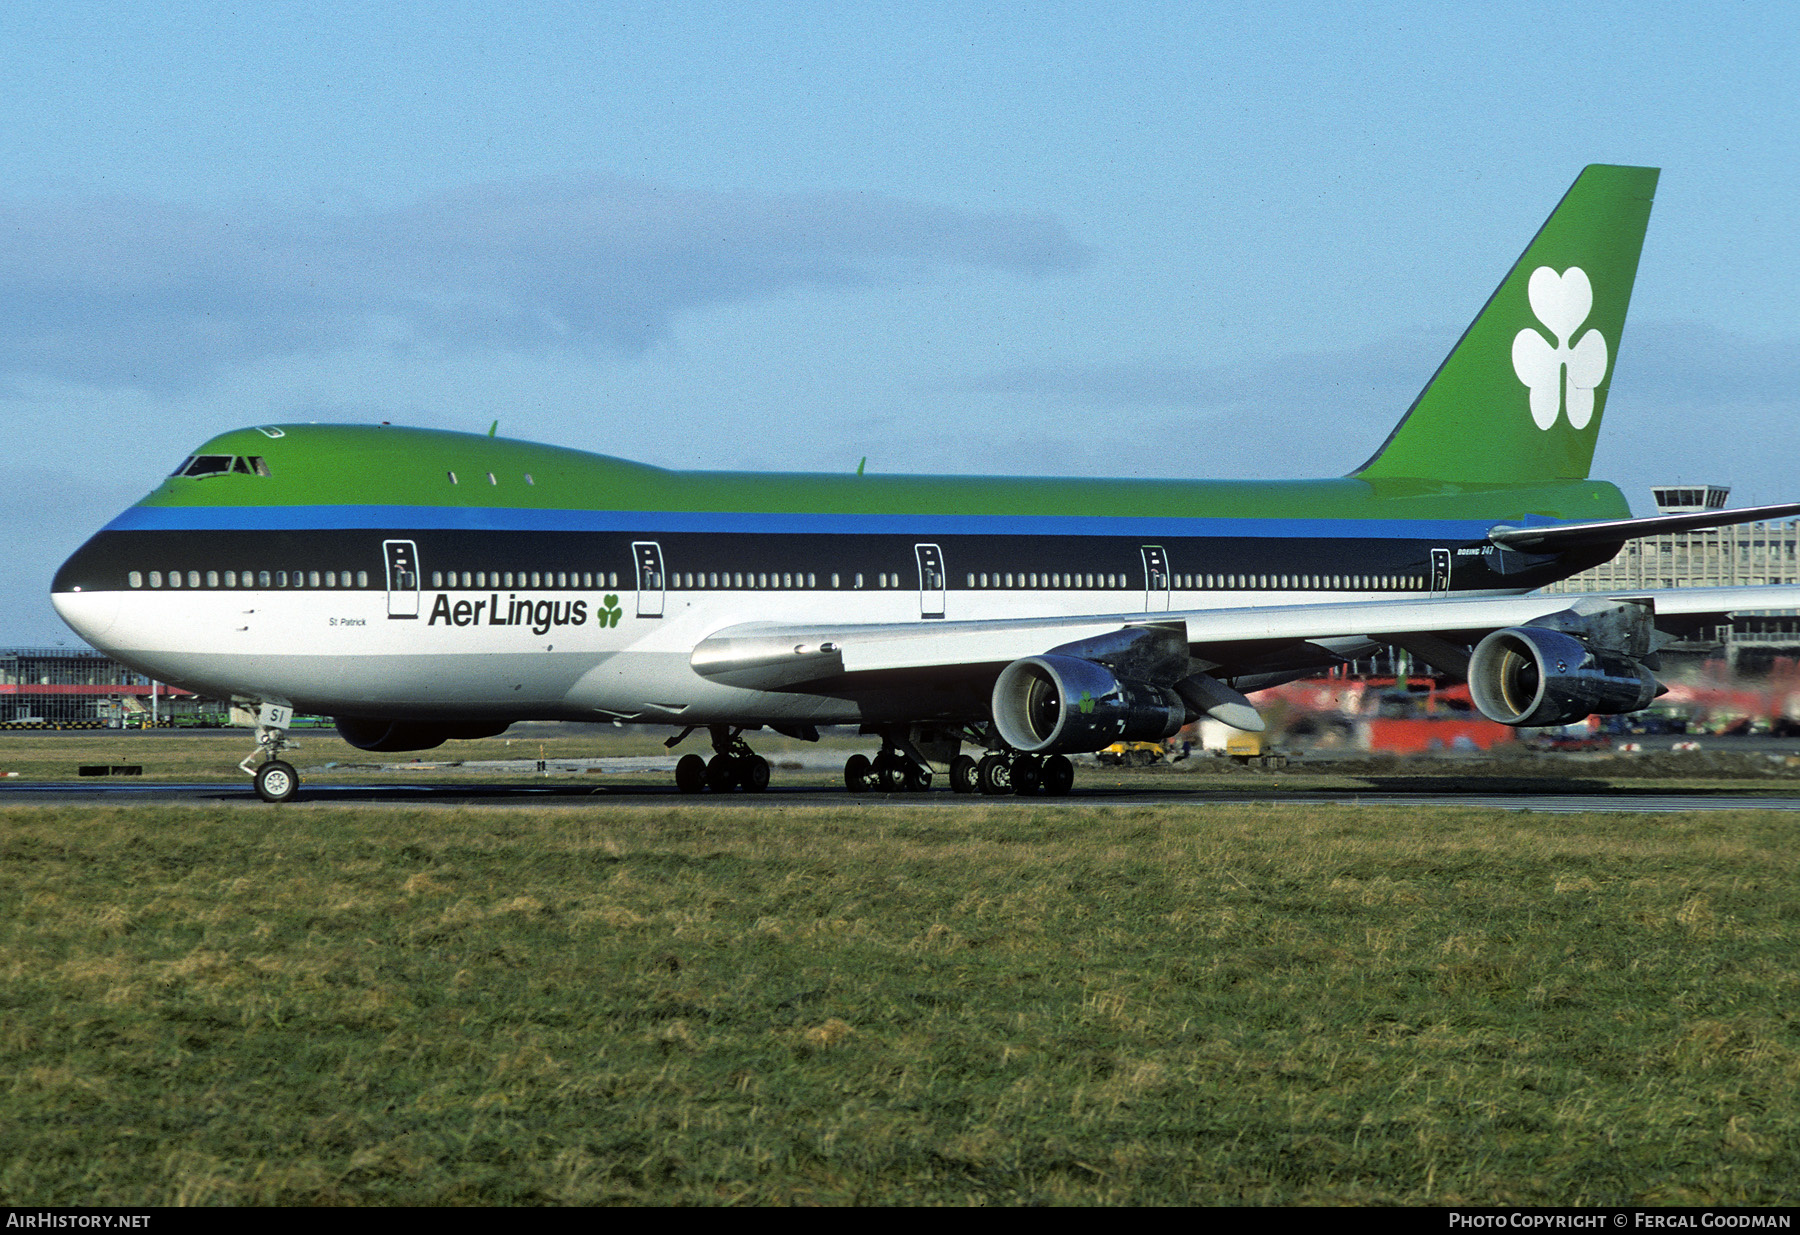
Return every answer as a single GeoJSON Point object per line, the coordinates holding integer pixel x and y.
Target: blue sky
{"type": "Point", "coordinates": [1109, 239]}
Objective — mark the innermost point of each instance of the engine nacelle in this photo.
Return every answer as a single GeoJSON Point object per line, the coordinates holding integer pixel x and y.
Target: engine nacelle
{"type": "Point", "coordinates": [397, 735]}
{"type": "Point", "coordinates": [1062, 705]}
{"type": "Point", "coordinates": [1527, 675]}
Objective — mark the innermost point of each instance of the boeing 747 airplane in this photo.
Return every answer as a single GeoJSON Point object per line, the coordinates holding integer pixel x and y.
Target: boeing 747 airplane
{"type": "Point", "coordinates": [421, 585]}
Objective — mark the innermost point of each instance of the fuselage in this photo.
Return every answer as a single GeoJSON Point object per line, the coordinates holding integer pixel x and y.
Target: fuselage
{"type": "Point", "coordinates": [416, 574]}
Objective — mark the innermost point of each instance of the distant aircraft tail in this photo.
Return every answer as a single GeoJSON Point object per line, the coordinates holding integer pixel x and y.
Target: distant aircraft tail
{"type": "Point", "coordinates": [1520, 396]}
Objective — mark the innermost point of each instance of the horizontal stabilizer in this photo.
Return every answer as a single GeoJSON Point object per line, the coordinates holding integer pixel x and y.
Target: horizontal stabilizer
{"type": "Point", "coordinates": [1555, 538]}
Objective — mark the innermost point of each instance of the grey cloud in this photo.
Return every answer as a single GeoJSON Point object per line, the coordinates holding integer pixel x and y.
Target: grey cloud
{"type": "Point", "coordinates": [1377, 370]}
{"type": "Point", "coordinates": [1721, 403]}
{"type": "Point", "coordinates": [155, 296]}
{"type": "Point", "coordinates": [1685, 364]}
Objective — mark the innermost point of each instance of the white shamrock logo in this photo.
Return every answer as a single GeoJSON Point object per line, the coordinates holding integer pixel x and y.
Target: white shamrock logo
{"type": "Point", "coordinates": [1561, 302]}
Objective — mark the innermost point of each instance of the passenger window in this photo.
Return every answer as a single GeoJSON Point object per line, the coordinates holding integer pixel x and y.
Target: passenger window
{"type": "Point", "coordinates": [156, 578]}
{"type": "Point", "coordinates": [135, 578]}
{"type": "Point", "coordinates": [193, 578]}
{"type": "Point", "coordinates": [212, 578]}
{"type": "Point", "coordinates": [262, 578]}
{"type": "Point", "coordinates": [362, 578]}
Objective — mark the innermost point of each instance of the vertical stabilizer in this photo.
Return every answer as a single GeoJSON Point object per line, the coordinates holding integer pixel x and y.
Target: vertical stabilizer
{"type": "Point", "coordinates": [1520, 397]}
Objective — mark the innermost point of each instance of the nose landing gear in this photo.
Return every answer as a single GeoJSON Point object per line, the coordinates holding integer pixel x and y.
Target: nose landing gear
{"type": "Point", "coordinates": [274, 779]}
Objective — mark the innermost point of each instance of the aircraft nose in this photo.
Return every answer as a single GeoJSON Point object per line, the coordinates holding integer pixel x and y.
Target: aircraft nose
{"type": "Point", "coordinates": [89, 614]}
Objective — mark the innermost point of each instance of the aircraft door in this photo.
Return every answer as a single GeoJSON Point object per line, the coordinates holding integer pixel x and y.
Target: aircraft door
{"type": "Point", "coordinates": [402, 578]}
{"type": "Point", "coordinates": [1156, 579]}
{"type": "Point", "coordinates": [1440, 570]}
{"type": "Point", "coordinates": [648, 555]}
{"type": "Point", "coordinates": [931, 581]}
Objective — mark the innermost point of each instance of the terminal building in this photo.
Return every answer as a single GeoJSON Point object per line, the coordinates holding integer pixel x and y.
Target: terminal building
{"type": "Point", "coordinates": [78, 688]}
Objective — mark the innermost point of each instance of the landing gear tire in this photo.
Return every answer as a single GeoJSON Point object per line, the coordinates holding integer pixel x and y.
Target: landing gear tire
{"type": "Point", "coordinates": [1057, 776]}
{"type": "Point", "coordinates": [890, 772]}
{"type": "Point", "coordinates": [276, 781]}
{"type": "Point", "coordinates": [721, 774]}
{"type": "Point", "coordinates": [858, 778]}
{"type": "Point", "coordinates": [963, 773]}
{"type": "Point", "coordinates": [917, 779]}
{"type": "Point", "coordinates": [993, 776]}
{"type": "Point", "coordinates": [753, 774]}
{"type": "Point", "coordinates": [1027, 775]}
{"type": "Point", "coordinates": [690, 774]}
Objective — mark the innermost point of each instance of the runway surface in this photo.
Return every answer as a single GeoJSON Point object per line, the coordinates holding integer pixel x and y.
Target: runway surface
{"type": "Point", "coordinates": [571, 794]}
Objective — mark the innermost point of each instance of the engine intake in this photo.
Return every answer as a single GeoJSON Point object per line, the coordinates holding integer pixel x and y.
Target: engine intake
{"type": "Point", "coordinates": [1060, 705]}
{"type": "Point", "coordinates": [1528, 675]}
{"type": "Point", "coordinates": [397, 735]}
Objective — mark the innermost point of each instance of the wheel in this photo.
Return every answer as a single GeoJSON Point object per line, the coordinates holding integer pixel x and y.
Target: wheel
{"type": "Point", "coordinates": [890, 771]}
{"type": "Point", "coordinates": [1057, 776]}
{"type": "Point", "coordinates": [917, 779]}
{"type": "Point", "coordinates": [720, 774]}
{"type": "Point", "coordinates": [994, 775]}
{"type": "Point", "coordinates": [963, 770]}
{"type": "Point", "coordinates": [690, 774]}
{"type": "Point", "coordinates": [276, 781]}
{"type": "Point", "coordinates": [857, 776]}
{"type": "Point", "coordinates": [753, 773]}
{"type": "Point", "coordinates": [1027, 774]}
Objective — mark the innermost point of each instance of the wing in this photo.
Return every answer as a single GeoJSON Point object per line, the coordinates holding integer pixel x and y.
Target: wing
{"type": "Point", "coordinates": [1556, 537]}
{"type": "Point", "coordinates": [1238, 643]}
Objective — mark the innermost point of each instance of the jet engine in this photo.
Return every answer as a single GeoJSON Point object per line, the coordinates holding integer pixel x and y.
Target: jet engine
{"type": "Point", "coordinates": [397, 735]}
{"type": "Point", "coordinates": [1530, 675]}
{"type": "Point", "coordinates": [1056, 705]}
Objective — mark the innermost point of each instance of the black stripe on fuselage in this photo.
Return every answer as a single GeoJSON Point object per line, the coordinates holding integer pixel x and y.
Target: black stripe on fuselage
{"type": "Point", "coordinates": [980, 563]}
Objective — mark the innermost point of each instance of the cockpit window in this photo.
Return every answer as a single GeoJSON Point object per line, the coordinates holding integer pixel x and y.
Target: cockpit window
{"type": "Point", "coordinates": [219, 465]}
{"type": "Point", "coordinates": [207, 465]}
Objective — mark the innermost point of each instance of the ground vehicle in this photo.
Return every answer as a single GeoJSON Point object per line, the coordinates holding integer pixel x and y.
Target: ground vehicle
{"type": "Point", "coordinates": [1132, 754]}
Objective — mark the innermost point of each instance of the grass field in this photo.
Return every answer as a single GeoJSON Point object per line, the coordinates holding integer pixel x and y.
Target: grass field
{"type": "Point", "coordinates": [986, 1004]}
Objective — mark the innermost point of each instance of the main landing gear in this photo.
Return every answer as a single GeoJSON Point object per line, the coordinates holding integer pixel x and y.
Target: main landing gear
{"type": "Point", "coordinates": [901, 766]}
{"type": "Point", "coordinates": [1002, 772]}
{"type": "Point", "coordinates": [892, 770]}
{"type": "Point", "coordinates": [733, 765]}
{"type": "Point", "coordinates": [275, 779]}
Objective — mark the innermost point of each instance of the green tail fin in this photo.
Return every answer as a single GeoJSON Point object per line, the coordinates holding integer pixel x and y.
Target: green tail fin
{"type": "Point", "coordinates": [1520, 396]}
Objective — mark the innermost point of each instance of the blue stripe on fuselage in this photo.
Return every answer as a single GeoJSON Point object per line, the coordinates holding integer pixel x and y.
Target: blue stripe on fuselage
{"type": "Point", "coordinates": [503, 519]}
